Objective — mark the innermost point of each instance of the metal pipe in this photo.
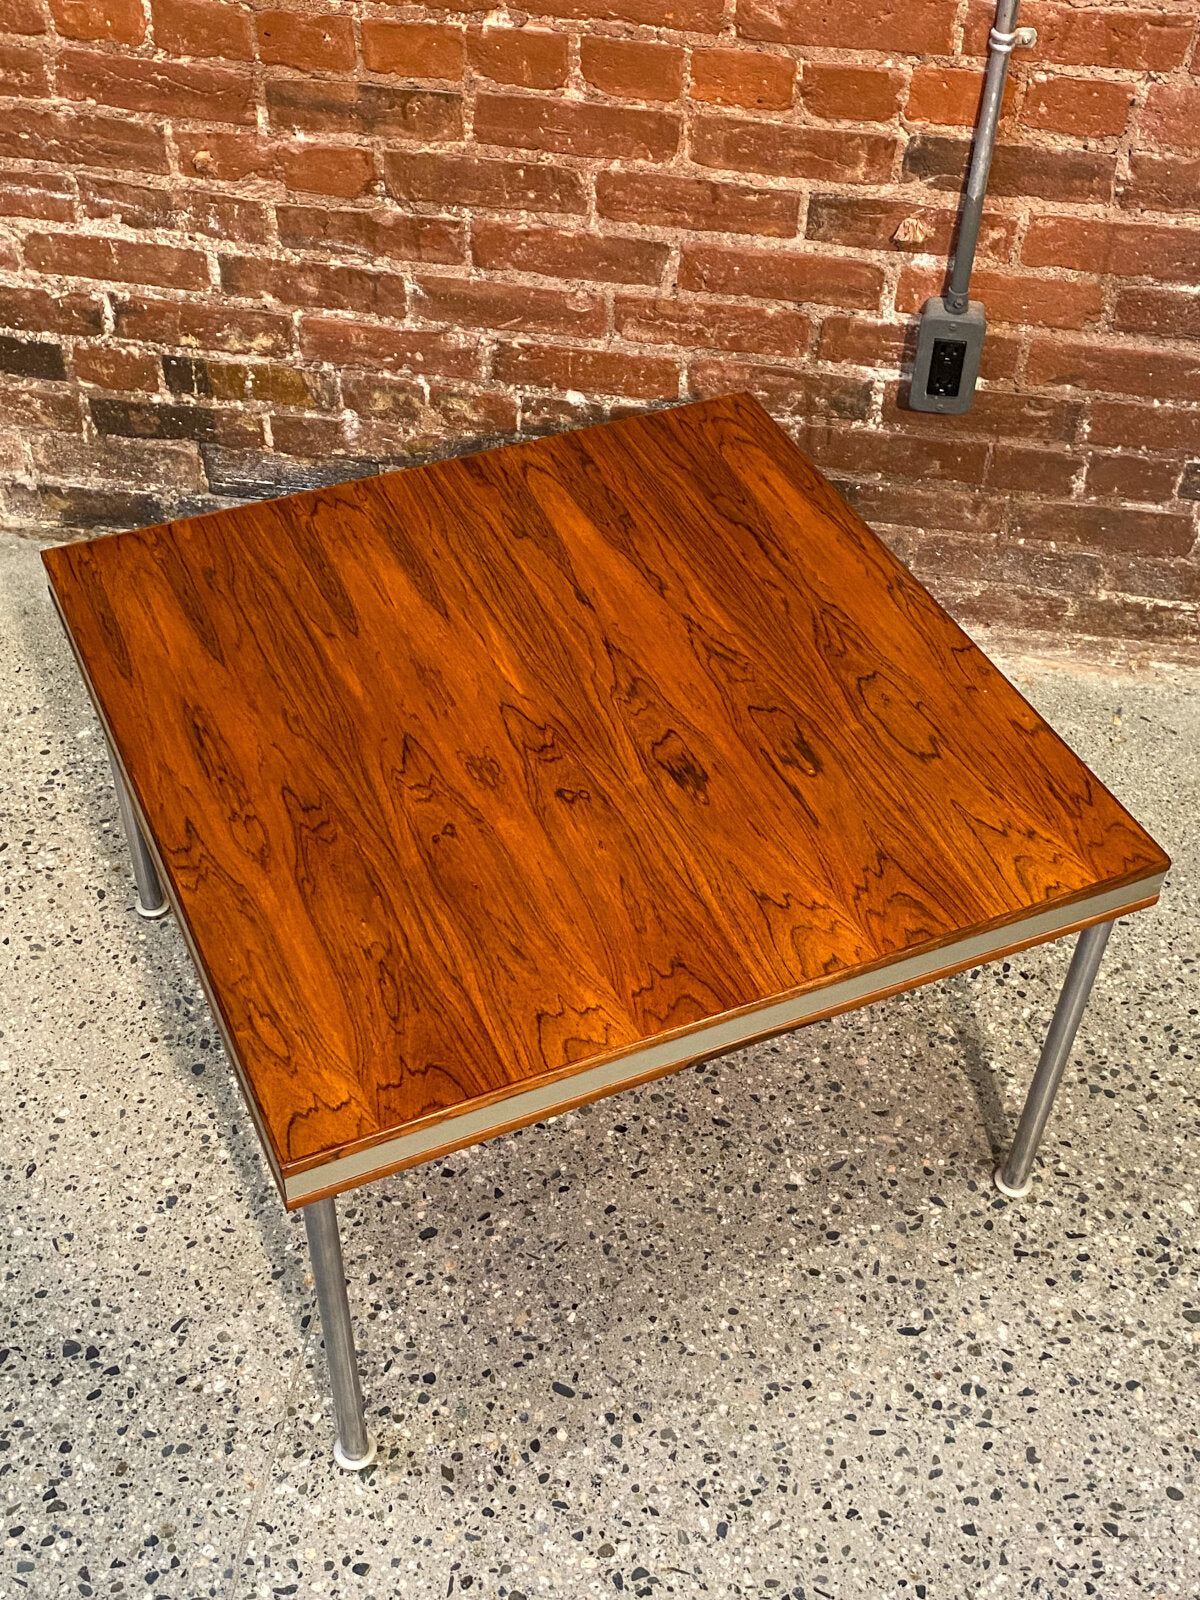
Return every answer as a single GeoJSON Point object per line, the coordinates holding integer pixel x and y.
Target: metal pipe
{"type": "Point", "coordinates": [1013, 1176]}
{"type": "Point", "coordinates": [1000, 46]}
{"type": "Point", "coordinates": [354, 1448]}
{"type": "Point", "coordinates": [151, 901]}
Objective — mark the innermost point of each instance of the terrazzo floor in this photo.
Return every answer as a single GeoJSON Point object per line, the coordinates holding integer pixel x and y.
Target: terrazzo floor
{"type": "Point", "coordinates": [759, 1329]}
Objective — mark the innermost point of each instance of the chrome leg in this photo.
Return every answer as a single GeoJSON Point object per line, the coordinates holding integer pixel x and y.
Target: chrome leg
{"type": "Point", "coordinates": [1012, 1177]}
{"type": "Point", "coordinates": [151, 901]}
{"type": "Point", "coordinates": [354, 1447]}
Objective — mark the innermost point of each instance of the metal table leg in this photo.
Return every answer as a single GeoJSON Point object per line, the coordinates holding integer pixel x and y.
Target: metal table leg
{"type": "Point", "coordinates": [1012, 1177]}
{"type": "Point", "coordinates": [151, 901]}
{"type": "Point", "coordinates": [354, 1448]}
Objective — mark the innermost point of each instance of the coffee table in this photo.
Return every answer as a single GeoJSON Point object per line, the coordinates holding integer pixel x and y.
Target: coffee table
{"type": "Point", "coordinates": [483, 789]}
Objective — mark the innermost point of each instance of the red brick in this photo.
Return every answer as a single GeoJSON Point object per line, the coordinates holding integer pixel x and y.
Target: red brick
{"type": "Point", "coordinates": [1124, 476]}
{"type": "Point", "coordinates": [1099, 527]}
{"type": "Point", "coordinates": [77, 255]}
{"type": "Point", "coordinates": [286, 386]}
{"type": "Point", "coordinates": [374, 233]}
{"type": "Point", "coordinates": [473, 303]}
{"type": "Point", "coordinates": [414, 49]}
{"type": "Point", "coordinates": [314, 437]}
{"type": "Point", "coordinates": [1083, 107]}
{"type": "Point", "coordinates": [43, 196]}
{"type": "Point", "coordinates": [782, 388]}
{"type": "Point", "coordinates": [1092, 36]}
{"type": "Point", "coordinates": [996, 413]}
{"type": "Point", "coordinates": [576, 129]}
{"type": "Point", "coordinates": [856, 94]}
{"type": "Point", "coordinates": [692, 16]}
{"type": "Point", "coordinates": [1159, 580]}
{"type": "Point", "coordinates": [830, 155]}
{"type": "Point", "coordinates": [949, 96]}
{"type": "Point", "coordinates": [1171, 116]}
{"type": "Point", "coordinates": [592, 371]}
{"type": "Point", "coordinates": [348, 343]}
{"type": "Point", "coordinates": [862, 341]}
{"type": "Point", "coordinates": [911, 505]}
{"type": "Point", "coordinates": [176, 207]}
{"type": "Point", "coordinates": [344, 171]}
{"type": "Point", "coordinates": [743, 78]}
{"type": "Point", "coordinates": [1118, 616]}
{"type": "Point", "coordinates": [918, 28]}
{"type": "Point", "coordinates": [710, 324]}
{"type": "Point", "coordinates": [203, 28]}
{"type": "Point", "coordinates": [22, 16]}
{"type": "Point", "coordinates": [1031, 471]}
{"type": "Point", "coordinates": [314, 283]}
{"type": "Point", "coordinates": [471, 180]}
{"type": "Point", "coordinates": [112, 368]}
{"type": "Point", "coordinates": [22, 72]}
{"type": "Point", "coordinates": [309, 41]}
{"type": "Point", "coordinates": [1013, 297]}
{"type": "Point", "coordinates": [893, 454]}
{"type": "Point", "coordinates": [121, 21]}
{"type": "Point", "coordinates": [781, 275]}
{"type": "Point", "coordinates": [1018, 170]}
{"type": "Point", "coordinates": [333, 106]}
{"type": "Point", "coordinates": [874, 225]}
{"type": "Point", "coordinates": [396, 399]}
{"type": "Point", "coordinates": [1114, 368]}
{"type": "Point", "coordinates": [535, 58]}
{"type": "Point", "coordinates": [1125, 249]}
{"type": "Point", "coordinates": [567, 253]}
{"type": "Point", "coordinates": [80, 139]}
{"type": "Point", "coordinates": [1001, 356]}
{"type": "Point", "coordinates": [25, 406]}
{"type": "Point", "coordinates": [662, 200]}
{"type": "Point", "coordinates": [39, 311]}
{"type": "Point", "coordinates": [1163, 311]}
{"type": "Point", "coordinates": [633, 68]}
{"type": "Point", "coordinates": [195, 326]}
{"type": "Point", "coordinates": [168, 88]}
{"type": "Point", "coordinates": [1162, 429]}
{"type": "Point", "coordinates": [1160, 183]}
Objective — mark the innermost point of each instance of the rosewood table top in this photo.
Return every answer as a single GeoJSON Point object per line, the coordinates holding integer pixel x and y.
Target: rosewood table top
{"type": "Point", "coordinates": [484, 788]}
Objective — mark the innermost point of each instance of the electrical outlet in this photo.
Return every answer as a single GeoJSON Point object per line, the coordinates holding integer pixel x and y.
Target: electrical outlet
{"type": "Point", "coordinates": [946, 367]}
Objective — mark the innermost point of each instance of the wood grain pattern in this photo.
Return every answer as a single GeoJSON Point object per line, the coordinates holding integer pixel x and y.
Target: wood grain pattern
{"type": "Point", "coordinates": [481, 773]}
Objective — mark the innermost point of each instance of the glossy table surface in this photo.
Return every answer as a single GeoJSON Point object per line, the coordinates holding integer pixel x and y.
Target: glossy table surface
{"type": "Point", "coordinates": [486, 787]}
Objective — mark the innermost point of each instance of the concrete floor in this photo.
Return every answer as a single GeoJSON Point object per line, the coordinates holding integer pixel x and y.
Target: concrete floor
{"type": "Point", "coordinates": [760, 1329]}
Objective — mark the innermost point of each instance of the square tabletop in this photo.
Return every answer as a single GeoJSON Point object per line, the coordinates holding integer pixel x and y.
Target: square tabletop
{"type": "Point", "coordinates": [483, 788]}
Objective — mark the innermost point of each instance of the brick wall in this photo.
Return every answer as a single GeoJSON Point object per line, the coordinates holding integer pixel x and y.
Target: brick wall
{"type": "Point", "coordinates": [246, 249]}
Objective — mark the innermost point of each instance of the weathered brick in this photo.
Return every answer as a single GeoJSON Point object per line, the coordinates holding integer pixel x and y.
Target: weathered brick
{"type": "Point", "coordinates": [783, 388]}
{"type": "Point", "coordinates": [26, 405]}
{"type": "Point", "coordinates": [574, 128]}
{"type": "Point", "coordinates": [79, 255]}
{"type": "Point", "coordinates": [330, 105]}
{"type": "Point", "coordinates": [413, 49]}
{"type": "Point", "coordinates": [1028, 470]}
{"type": "Point", "coordinates": [397, 399]}
{"type": "Point", "coordinates": [1171, 117]}
{"type": "Point", "coordinates": [781, 275]}
{"type": "Point", "coordinates": [598, 371]}
{"type": "Point", "coordinates": [309, 41]}
{"type": "Point", "coordinates": [1163, 428]}
{"type": "Point", "coordinates": [204, 28]}
{"type": "Point", "coordinates": [22, 16]}
{"type": "Point", "coordinates": [81, 139]}
{"type": "Point", "coordinates": [203, 379]}
{"type": "Point", "coordinates": [347, 342]}
{"type": "Point", "coordinates": [1189, 484]}
{"type": "Point", "coordinates": [532, 57]}
{"type": "Point", "coordinates": [862, 341]}
{"type": "Point", "coordinates": [377, 232]}
{"type": "Point", "coordinates": [999, 414]}
{"type": "Point", "coordinates": [142, 419]}
{"type": "Point", "coordinates": [317, 437]}
{"type": "Point", "coordinates": [1103, 527]}
{"type": "Point", "coordinates": [1168, 312]}
{"type": "Point", "coordinates": [853, 93]}
{"type": "Point", "coordinates": [22, 72]}
{"type": "Point", "coordinates": [196, 326]}
{"type": "Point", "coordinates": [1160, 580]}
{"type": "Point", "coordinates": [914, 506]}
{"type": "Point", "coordinates": [169, 88]}
{"type": "Point", "coordinates": [110, 367]}
{"type": "Point", "coordinates": [471, 180]}
{"type": "Point", "coordinates": [949, 96]}
{"type": "Point", "coordinates": [1013, 296]}
{"type": "Point", "coordinates": [1113, 368]}
{"type": "Point", "coordinates": [1093, 36]}
{"type": "Point", "coordinates": [830, 155]}
{"type": "Point", "coordinates": [632, 68]}
{"type": "Point", "coordinates": [1125, 249]}
{"type": "Point", "coordinates": [316, 283]}
{"type": "Point", "coordinates": [567, 253]}
{"type": "Point", "coordinates": [42, 196]}
{"type": "Point", "coordinates": [743, 78]}
{"type": "Point", "coordinates": [1120, 475]}
{"type": "Point", "coordinates": [693, 16]}
{"type": "Point", "coordinates": [78, 506]}
{"type": "Point", "coordinates": [474, 303]}
{"type": "Point", "coordinates": [343, 171]}
{"type": "Point", "coordinates": [40, 311]}
{"type": "Point", "coordinates": [892, 225]}
{"type": "Point", "coordinates": [920, 27]}
{"type": "Point", "coordinates": [31, 358]}
{"type": "Point", "coordinates": [869, 450]}
{"type": "Point", "coordinates": [287, 386]}
{"type": "Point", "coordinates": [118, 21]}
{"type": "Point", "coordinates": [253, 475]}
{"type": "Point", "coordinates": [1084, 107]}
{"type": "Point", "coordinates": [660, 199]}
{"type": "Point", "coordinates": [184, 210]}
{"type": "Point", "coordinates": [1119, 617]}
{"type": "Point", "coordinates": [1160, 183]}
{"type": "Point", "coordinates": [1017, 169]}
{"type": "Point", "coordinates": [711, 324]}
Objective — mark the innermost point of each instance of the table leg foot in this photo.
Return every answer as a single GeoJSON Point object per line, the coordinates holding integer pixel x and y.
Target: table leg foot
{"type": "Point", "coordinates": [151, 901]}
{"type": "Point", "coordinates": [151, 913]}
{"type": "Point", "coordinates": [355, 1463]}
{"type": "Point", "coordinates": [354, 1448]}
{"type": "Point", "coordinates": [1013, 1176]}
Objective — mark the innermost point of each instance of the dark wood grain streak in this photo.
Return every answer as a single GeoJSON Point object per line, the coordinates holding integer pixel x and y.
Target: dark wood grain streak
{"type": "Point", "coordinates": [482, 772]}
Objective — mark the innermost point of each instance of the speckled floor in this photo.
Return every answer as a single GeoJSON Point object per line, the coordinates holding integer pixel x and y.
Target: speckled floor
{"type": "Point", "coordinates": [759, 1329]}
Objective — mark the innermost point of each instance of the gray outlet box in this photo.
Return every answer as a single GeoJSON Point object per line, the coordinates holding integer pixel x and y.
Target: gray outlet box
{"type": "Point", "coordinates": [949, 345]}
